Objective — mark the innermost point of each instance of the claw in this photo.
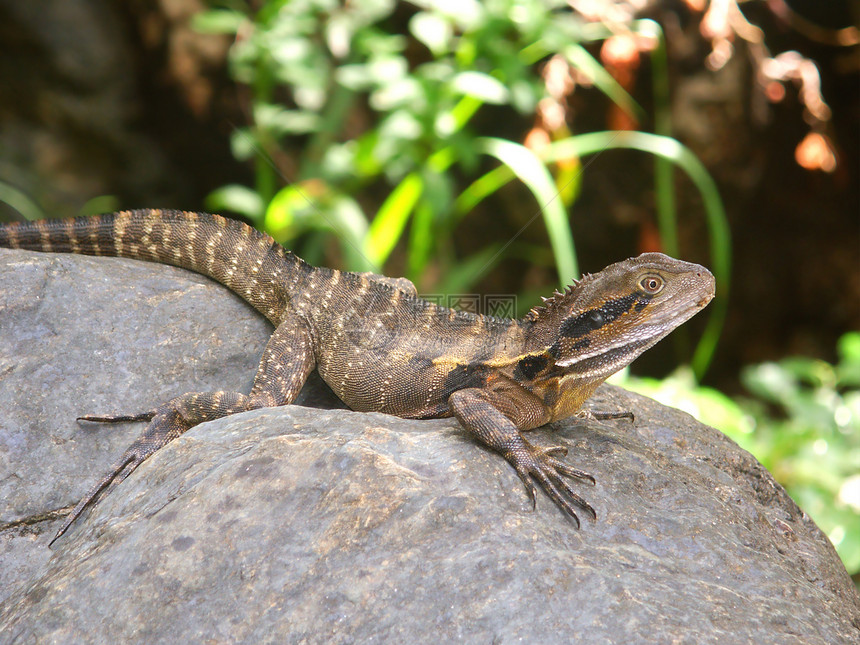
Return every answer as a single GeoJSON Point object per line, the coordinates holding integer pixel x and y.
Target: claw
{"type": "Point", "coordinates": [130, 459]}
{"type": "Point", "coordinates": [570, 471]}
{"type": "Point", "coordinates": [118, 472]}
{"type": "Point", "coordinates": [136, 454]}
{"type": "Point", "coordinates": [555, 450]}
{"type": "Point", "coordinates": [542, 465]}
{"type": "Point", "coordinates": [555, 495]}
{"type": "Point", "coordinates": [474, 408]}
{"type": "Point", "coordinates": [117, 418]}
{"type": "Point", "coordinates": [605, 416]}
{"type": "Point", "coordinates": [530, 487]}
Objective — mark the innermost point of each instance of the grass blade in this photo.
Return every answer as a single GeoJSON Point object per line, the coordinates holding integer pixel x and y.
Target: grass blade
{"type": "Point", "coordinates": [534, 174]}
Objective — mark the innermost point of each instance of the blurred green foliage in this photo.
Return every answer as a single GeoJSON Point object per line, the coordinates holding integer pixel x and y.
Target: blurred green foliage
{"type": "Point", "coordinates": [802, 422]}
{"type": "Point", "coordinates": [313, 65]}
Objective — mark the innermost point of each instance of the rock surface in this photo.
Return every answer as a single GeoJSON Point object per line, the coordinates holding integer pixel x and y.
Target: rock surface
{"type": "Point", "coordinates": [304, 525]}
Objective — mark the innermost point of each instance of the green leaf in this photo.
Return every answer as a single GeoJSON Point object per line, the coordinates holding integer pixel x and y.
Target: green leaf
{"type": "Point", "coordinates": [217, 21]}
{"type": "Point", "coordinates": [848, 347]}
{"type": "Point", "coordinates": [468, 15]}
{"type": "Point", "coordinates": [243, 144]}
{"type": "Point", "coordinates": [481, 86]}
{"type": "Point", "coordinates": [282, 121]}
{"type": "Point", "coordinates": [350, 224]}
{"type": "Point", "coordinates": [391, 218]}
{"type": "Point", "coordinates": [405, 92]}
{"type": "Point", "coordinates": [20, 201]}
{"type": "Point", "coordinates": [236, 198]}
{"type": "Point", "coordinates": [579, 57]}
{"type": "Point", "coordinates": [848, 369]}
{"type": "Point", "coordinates": [534, 174]}
{"type": "Point", "coordinates": [356, 76]}
{"type": "Point", "coordinates": [387, 69]}
{"type": "Point", "coordinates": [433, 206]}
{"type": "Point", "coordinates": [365, 161]}
{"type": "Point", "coordinates": [481, 188]}
{"type": "Point", "coordinates": [421, 240]}
{"type": "Point", "coordinates": [313, 205]}
{"type": "Point", "coordinates": [289, 51]}
{"type": "Point", "coordinates": [100, 204]}
{"type": "Point", "coordinates": [280, 213]}
{"type": "Point", "coordinates": [432, 30]}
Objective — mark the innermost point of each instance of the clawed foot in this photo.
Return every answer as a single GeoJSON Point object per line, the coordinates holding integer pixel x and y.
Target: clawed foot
{"type": "Point", "coordinates": [131, 459]}
{"type": "Point", "coordinates": [543, 464]}
{"type": "Point", "coordinates": [166, 423]}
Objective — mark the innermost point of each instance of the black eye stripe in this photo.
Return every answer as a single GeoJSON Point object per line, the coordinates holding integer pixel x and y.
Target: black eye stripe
{"type": "Point", "coordinates": [641, 302]}
{"type": "Point", "coordinates": [596, 318]}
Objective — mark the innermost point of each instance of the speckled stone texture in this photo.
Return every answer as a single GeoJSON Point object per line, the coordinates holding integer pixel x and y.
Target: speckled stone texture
{"type": "Point", "coordinates": [297, 525]}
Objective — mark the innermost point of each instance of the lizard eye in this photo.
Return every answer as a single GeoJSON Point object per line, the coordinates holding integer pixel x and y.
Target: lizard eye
{"type": "Point", "coordinates": [651, 284]}
{"type": "Point", "coordinates": [596, 317]}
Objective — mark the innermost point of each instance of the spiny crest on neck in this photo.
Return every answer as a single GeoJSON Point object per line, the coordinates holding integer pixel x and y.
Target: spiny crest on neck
{"type": "Point", "coordinates": [559, 300]}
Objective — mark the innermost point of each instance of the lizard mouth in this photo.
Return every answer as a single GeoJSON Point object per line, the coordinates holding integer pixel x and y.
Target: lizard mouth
{"type": "Point", "coordinates": [703, 302]}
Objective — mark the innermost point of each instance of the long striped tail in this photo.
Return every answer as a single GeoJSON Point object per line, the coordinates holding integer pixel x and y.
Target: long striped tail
{"type": "Point", "coordinates": [241, 258]}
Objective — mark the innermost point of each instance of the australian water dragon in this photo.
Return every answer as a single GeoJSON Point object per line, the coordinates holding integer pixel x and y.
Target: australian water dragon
{"type": "Point", "coordinates": [381, 348]}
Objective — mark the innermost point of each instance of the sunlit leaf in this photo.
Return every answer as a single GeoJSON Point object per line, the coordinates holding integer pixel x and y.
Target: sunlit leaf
{"type": "Point", "coordinates": [391, 218]}
{"type": "Point", "coordinates": [432, 30]}
{"type": "Point", "coordinates": [283, 121]}
{"type": "Point", "coordinates": [534, 174]}
{"type": "Point", "coordinates": [405, 92]}
{"type": "Point", "coordinates": [481, 86]}
{"type": "Point", "coordinates": [579, 57]}
{"type": "Point", "coordinates": [356, 76]}
{"type": "Point", "coordinates": [217, 21]}
{"type": "Point", "coordinates": [242, 144]}
{"type": "Point", "coordinates": [238, 199]}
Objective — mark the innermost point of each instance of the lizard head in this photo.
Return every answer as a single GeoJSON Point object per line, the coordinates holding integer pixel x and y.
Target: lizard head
{"type": "Point", "coordinates": [604, 321]}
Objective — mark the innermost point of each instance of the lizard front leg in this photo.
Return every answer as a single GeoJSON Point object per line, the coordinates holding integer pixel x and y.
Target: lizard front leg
{"type": "Point", "coordinates": [481, 413]}
{"type": "Point", "coordinates": [284, 367]}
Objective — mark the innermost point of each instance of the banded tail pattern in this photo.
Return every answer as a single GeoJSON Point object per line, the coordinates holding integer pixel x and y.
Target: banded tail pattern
{"type": "Point", "coordinates": [241, 258]}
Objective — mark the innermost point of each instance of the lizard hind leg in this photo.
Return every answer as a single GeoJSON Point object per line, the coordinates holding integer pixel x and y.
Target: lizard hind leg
{"type": "Point", "coordinates": [166, 423]}
{"type": "Point", "coordinates": [284, 367]}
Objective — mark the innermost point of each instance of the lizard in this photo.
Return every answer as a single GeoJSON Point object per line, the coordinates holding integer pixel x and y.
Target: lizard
{"type": "Point", "coordinates": [382, 348]}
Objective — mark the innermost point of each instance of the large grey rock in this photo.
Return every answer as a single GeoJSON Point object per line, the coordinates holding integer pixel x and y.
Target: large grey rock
{"type": "Point", "coordinates": [82, 335]}
{"type": "Point", "coordinates": [302, 525]}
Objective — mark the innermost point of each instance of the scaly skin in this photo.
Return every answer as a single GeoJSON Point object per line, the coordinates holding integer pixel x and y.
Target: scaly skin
{"type": "Point", "coordinates": [383, 349]}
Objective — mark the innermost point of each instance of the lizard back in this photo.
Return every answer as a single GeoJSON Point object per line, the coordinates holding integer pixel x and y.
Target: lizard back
{"type": "Point", "coordinates": [382, 348]}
